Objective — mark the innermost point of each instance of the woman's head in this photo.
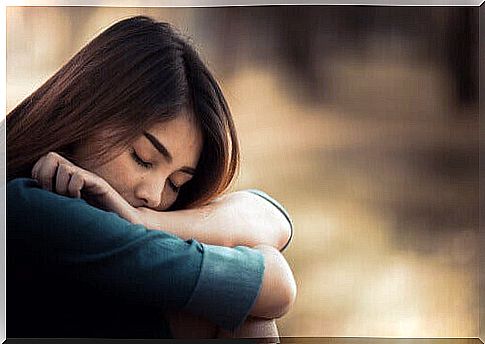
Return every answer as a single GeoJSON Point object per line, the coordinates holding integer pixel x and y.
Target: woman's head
{"type": "Point", "coordinates": [138, 75]}
{"type": "Point", "coordinates": [152, 170]}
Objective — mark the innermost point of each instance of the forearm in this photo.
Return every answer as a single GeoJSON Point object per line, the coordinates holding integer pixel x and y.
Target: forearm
{"type": "Point", "coordinates": [199, 224]}
{"type": "Point", "coordinates": [239, 218]}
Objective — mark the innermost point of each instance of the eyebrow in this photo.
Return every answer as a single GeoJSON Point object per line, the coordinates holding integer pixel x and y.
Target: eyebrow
{"type": "Point", "coordinates": [164, 151]}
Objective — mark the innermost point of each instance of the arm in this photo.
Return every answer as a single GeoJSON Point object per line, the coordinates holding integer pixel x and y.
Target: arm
{"type": "Point", "coordinates": [271, 303]}
{"type": "Point", "coordinates": [246, 218]}
{"type": "Point", "coordinates": [101, 248]}
{"type": "Point", "coordinates": [276, 296]}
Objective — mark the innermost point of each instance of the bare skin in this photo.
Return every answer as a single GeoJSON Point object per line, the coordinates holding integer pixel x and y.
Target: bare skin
{"type": "Point", "coordinates": [142, 181]}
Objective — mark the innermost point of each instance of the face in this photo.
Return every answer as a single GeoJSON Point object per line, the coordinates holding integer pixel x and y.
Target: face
{"type": "Point", "coordinates": [150, 172]}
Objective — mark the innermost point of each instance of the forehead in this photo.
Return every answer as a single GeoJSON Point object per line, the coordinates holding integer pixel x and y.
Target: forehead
{"type": "Point", "coordinates": [181, 137]}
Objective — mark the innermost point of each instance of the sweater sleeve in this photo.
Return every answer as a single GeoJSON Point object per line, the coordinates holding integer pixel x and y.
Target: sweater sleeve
{"type": "Point", "coordinates": [131, 262]}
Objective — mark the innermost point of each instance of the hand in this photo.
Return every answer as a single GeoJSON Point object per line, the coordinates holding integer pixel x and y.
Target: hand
{"type": "Point", "coordinates": [55, 173]}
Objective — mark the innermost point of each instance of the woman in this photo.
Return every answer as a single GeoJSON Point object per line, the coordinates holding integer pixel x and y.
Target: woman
{"type": "Point", "coordinates": [135, 131]}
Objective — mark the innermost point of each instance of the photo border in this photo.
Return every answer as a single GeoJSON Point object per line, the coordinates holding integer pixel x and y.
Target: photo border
{"type": "Point", "coordinates": [224, 3]}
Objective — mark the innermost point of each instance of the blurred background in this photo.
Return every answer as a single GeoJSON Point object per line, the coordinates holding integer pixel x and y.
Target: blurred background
{"type": "Point", "coordinates": [362, 121]}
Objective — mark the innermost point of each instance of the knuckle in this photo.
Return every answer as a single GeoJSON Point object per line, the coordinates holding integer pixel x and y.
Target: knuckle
{"type": "Point", "coordinates": [64, 168]}
{"type": "Point", "coordinates": [60, 168]}
{"type": "Point", "coordinates": [76, 174]}
{"type": "Point", "coordinates": [77, 180]}
{"type": "Point", "coordinates": [51, 155]}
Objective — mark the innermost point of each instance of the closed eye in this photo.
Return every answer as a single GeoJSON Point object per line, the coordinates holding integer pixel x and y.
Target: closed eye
{"type": "Point", "coordinates": [139, 160]}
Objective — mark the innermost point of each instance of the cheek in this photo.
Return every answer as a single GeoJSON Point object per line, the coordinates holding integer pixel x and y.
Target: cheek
{"type": "Point", "coordinates": [119, 174]}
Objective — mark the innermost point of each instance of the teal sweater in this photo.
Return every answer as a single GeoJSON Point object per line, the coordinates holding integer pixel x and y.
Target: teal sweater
{"type": "Point", "coordinates": [74, 270]}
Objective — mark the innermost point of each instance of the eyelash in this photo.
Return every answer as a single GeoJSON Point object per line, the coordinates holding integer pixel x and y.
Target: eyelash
{"type": "Point", "coordinates": [139, 160]}
{"type": "Point", "coordinates": [147, 165]}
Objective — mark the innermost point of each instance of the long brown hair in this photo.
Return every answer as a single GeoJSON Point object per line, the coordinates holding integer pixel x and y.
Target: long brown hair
{"type": "Point", "coordinates": [136, 73]}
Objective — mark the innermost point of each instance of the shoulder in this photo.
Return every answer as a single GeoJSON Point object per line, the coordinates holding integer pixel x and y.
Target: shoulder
{"type": "Point", "coordinates": [23, 191]}
{"type": "Point", "coordinates": [18, 186]}
{"type": "Point", "coordinates": [31, 208]}
{"type": "Point", "coordinates": [25, 195]}
{"type": "Point", "coordinates": [22, 194]}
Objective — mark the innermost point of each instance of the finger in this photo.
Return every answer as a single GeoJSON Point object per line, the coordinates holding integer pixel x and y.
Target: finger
{"type": "Point", "coordinates": [37, 166]}
{"type": "Point", "coordinates": [57, 157]}
{"type": "Point", "coordinates": [76, 184]}
{"type": "Point", "coordinates": [62, 179]}
{"type": "Point", "coordinates": [47, 172]}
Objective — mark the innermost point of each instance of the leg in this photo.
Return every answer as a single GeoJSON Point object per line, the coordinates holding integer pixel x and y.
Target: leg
{"type": "Point", "coordinates": [185, 326]}
{"type": "Point", "coordinates": [264, 329]}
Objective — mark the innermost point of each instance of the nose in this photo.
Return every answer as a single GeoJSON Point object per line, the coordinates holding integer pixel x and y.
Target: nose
{"type": "Point", "coordinates": [150, 191]}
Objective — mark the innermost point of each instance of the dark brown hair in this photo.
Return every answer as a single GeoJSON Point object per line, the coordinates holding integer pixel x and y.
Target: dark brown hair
{"type": "Point", "coordinates": [136, 73]}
